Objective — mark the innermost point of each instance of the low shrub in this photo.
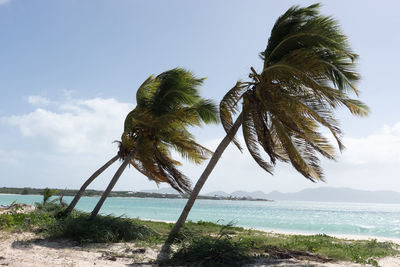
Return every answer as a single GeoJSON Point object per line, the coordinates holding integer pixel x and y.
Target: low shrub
{"type": "Point", "coordinates": [220, 250]}
{"type": "Point", "coordinates": [51, 208]}
{"type": "Point", "coordinates": [103, 229]}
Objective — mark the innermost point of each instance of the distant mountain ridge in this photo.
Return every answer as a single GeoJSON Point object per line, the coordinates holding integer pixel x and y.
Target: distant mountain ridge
{"type": "Point", "coordinates": [321, 194]}
{"type": "Point", "coordinates": [338, 194]}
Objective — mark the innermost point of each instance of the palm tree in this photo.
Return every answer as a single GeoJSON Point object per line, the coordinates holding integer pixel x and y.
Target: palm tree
{"type": "Point", "coordinates": [47, 194]}
{"type": "Point", "coordinates": [166, 106]}
{"type": "Point", "coordinates": [308, 71]}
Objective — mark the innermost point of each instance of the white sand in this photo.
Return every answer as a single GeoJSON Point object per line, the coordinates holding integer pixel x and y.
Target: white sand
{"type": "Point", "coordinates": [18, 208]}
{"type": "Point", "coordinates": [25, 249]}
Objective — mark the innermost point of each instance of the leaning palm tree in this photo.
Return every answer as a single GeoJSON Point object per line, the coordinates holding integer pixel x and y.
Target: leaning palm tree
{"type": "Point", "coordinates": [308, 71]}
{"type": "Point", "coordinates": [166, 106]}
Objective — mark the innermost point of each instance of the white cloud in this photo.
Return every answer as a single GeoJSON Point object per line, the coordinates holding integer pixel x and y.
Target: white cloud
{"type": "Point", "coordinates": [4, 1]}
{"type": "Point", "coordinates": [77, 126]}
{"type": "Point", "coordinates": [381, 147]}
{"type": "Point", "coordinates": [38, 100]}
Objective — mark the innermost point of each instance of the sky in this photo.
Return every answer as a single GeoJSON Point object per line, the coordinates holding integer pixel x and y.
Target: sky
{"type": "Point", "coordinates": [69, 71]}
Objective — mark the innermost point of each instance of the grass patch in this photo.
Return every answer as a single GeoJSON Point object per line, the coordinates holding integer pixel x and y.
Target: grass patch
{"type": "Point", "coordinates": [323, 246]}
{"type": "Point", "coordinates": [25, 222]}
{"type": "Point", "coordinates": [191, 230]}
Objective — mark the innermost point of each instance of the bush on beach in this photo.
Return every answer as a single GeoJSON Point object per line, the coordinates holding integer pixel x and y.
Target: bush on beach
{"type": "Point", "coordinates": [103, 229]}
{"type": "Point", "coordinates": [219, 250]}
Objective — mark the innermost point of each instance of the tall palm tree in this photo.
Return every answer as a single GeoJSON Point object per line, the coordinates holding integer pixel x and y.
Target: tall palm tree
{"type": "Point", "coordinates": [308, 71]}
{"type": "Point", "coordinates": [166, 106]}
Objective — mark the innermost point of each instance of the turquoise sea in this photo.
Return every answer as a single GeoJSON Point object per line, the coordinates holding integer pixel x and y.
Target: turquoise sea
{"type": "Point", "coordinates": [380, 220]}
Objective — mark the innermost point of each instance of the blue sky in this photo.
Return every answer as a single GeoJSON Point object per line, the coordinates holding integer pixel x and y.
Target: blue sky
{"type": "Point", "coordinates": [70, 69]}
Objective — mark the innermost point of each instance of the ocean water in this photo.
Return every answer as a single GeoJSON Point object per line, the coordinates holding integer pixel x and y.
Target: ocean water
{"type": "Point", "coordinates": [379, 220]}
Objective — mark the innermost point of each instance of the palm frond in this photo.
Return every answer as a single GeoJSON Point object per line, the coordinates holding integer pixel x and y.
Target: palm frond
{"type": "Point", "coordinates": [250, 137]}
{"type": "Point", "coordinates": [229, 106]}
{"type": "Point", "coordinates": [168, 105]}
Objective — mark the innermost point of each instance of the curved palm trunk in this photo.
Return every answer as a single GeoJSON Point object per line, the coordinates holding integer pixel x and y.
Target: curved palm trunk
{"type": "Point", "coordinates": [111, 185]}
{"type": "Point", "coordinates": [199, 185]}
{"type": "Point", "coordinates": [87, 183]}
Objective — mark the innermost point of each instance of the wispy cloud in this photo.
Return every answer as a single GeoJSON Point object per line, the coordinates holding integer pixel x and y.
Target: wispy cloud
{"type": "Point", "coordinates": [38, 100]}
{"type": "Point", "coordinates": [380, 147]}
{"type": "Point", "coordinates": [4, 2]}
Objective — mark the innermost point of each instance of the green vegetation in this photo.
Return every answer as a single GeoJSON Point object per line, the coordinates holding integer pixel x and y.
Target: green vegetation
{"type": "Point", "coordinates": [48, 193]}
{"type": "Point", "coordinates": [209, 250]}
{"type": "Point", "coordinates": [199, 243]}
{"type": "Point", "coordinates": [40, 191]}
{"type": "Point", "coordinates": [103, 229]}
{"type": "Point", "coordinates": [25, 222]}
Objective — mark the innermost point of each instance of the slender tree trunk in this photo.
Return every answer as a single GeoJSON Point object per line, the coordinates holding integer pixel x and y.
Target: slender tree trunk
{"type": "Point", "coordinates": [87, 183]}
{"type": "Point", "coordinates": [111, 185]}
{"type": "Point", "coordinates": [199, 185]}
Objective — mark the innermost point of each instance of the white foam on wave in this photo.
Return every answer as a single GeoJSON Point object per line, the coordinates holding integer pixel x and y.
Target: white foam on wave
{"type": "Point", "coordinates": [365, 226]}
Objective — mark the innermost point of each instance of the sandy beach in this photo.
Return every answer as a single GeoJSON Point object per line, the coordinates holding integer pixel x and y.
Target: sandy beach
{"type": "Point", "coordinates": [28, 249]}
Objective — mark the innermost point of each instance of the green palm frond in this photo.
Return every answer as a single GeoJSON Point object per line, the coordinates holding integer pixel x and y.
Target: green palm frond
{"type": "Point", "coordinates": [177, 88]}
{"type": "Point", "coordinates": [229, 106]}
{"type": "Point", "coordinates": [250, 137]}
{"type": "Point", "coordinates": [146, 91]}
{"type": "Point", "coordinates": [167, 105]}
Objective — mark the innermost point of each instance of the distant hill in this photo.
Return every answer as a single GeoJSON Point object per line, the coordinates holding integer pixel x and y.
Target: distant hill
{"type": "Point", "coordinates": [333, 194]}
{"type": "Point", "coordinates": [323, 194]}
